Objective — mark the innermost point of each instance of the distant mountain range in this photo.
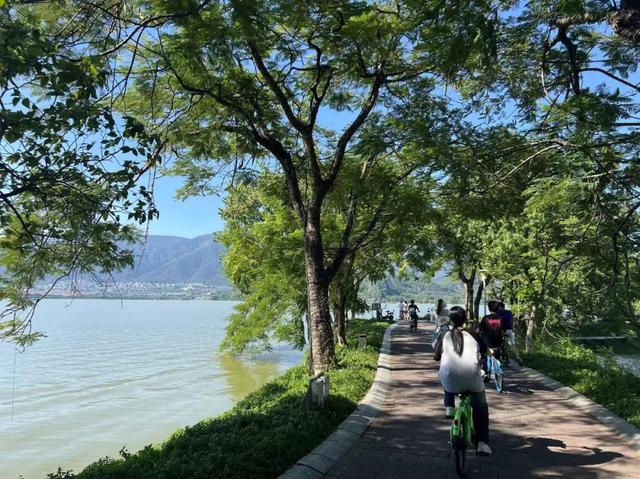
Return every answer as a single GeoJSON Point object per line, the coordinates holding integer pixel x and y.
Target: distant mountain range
{"type": "Point", "coordinates": [171, 259]}
{"type": "Point", "coordinates": [184, 268]}
{"type": "Point", "coordinates": [180, 261]}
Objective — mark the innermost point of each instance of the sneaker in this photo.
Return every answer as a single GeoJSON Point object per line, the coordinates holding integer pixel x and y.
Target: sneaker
{"type": "Point", "coordinates": [449, 411]}
{"type": "Point", "coordinates": [484, 449]}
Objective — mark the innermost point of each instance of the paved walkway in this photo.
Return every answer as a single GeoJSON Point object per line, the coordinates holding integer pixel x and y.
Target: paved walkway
{"type": "Point", "coordinates": [534, 431]}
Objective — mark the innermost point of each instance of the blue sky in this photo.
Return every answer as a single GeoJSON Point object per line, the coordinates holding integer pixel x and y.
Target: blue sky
{"type": "Point", "coordinates": [188, 218]}
{"type": "Point", "coordinates": [200, 215]}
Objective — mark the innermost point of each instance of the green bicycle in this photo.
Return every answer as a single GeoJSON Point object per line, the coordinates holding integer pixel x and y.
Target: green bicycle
{"type": "Point", "coordinates": [462, 432]}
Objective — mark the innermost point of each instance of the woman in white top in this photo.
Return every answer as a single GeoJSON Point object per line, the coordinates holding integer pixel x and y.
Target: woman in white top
{"type": "Point", "coordinates": [460, 353]}
{"type": "Point", "coordinates": [440, 318]}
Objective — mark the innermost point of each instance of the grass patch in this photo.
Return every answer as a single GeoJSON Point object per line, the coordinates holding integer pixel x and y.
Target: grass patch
{"type": "Point", "coordinates": [597, 376]}
{"type": "Point", "coordinates": [264, 434]}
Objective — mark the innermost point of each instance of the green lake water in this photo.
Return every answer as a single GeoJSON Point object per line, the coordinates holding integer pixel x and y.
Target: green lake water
{"type": "Point", "coordinates": [112, 374]}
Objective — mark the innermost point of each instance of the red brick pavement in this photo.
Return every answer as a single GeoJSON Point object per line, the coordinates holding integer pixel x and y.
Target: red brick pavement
{"type": "Point", "coordinates": [534, 431]}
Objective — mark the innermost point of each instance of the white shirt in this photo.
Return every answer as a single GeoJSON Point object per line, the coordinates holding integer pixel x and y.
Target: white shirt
{"type": "Point", "coordinates": [442, 318]}
{"type": "Point", "coordinates": [461, 373]}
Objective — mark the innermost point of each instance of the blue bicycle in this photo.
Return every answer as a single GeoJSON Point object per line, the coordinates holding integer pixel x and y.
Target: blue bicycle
{"type": "Point", "coordinates": [494, 371]}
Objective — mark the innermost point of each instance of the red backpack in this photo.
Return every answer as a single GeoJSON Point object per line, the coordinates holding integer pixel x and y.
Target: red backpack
{"type": "Point", "coordinates": [494, 330]}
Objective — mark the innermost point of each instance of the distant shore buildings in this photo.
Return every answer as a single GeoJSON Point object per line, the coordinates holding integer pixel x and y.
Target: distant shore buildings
{"type": "Point", "coordinates": [135, 290]}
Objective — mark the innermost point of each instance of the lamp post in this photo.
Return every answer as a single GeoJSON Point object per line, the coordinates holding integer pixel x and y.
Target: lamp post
{"type": "Point", "coordinates": [486, 277]}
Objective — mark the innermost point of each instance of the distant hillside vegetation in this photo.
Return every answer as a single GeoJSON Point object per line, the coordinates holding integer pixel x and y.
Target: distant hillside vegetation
{"type": "Point", "coordinates": [170, 259]}
{"type": "Point", "coordinates": [174, 267]}
{"type": "Point", "coordinates": [421, 289]}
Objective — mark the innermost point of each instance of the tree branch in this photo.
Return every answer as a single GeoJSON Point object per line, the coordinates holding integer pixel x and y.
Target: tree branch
{"type": "Point", "coordinates": [353, 128]}
{"type": "Point", "coordinates": [296, 122]}
{"type": "Point", "coordinates": [611, 75]}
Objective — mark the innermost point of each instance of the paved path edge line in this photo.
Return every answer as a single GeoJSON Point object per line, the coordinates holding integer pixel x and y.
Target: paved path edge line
{"type": "Point", "coordinates": [320, 461]}
{"type": "Point", "coordinates": [630, 432]}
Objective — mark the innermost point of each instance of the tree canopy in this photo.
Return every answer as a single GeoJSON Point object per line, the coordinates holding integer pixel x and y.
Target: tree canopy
{"type": "Point", "coordinates": [69, 169]}
{"type": "Point", "coordinates": [355, 139]}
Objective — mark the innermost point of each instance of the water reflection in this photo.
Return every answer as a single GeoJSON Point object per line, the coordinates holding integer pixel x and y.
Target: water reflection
{"type": "Point", "coordinates": [110, 374]}
{"type": "Point", "coordinates": [245, 375]}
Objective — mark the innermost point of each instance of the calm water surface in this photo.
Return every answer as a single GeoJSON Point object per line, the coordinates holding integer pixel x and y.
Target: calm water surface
{"type": "Point", "coordinates": [114, 374]}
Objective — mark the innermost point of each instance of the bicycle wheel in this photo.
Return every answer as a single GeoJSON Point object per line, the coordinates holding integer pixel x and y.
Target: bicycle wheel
{"type": "Point", "coordinates": [460, 451]}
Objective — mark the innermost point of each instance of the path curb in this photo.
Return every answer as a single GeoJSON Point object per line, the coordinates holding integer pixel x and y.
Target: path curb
{"type": "Point", "coordinates": [602, 414]}
{"type": "Point", "coordinates": [322, 459]}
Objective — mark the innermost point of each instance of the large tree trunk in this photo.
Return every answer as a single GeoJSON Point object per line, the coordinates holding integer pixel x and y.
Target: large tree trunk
{"type": "Point", "coordinates": [468, 299]}
{"type": "Point", "coordinates": [476, 304]}
{"type": "Point", "coordinates": [339, 306]}
{"type": "Point", "coordinates": [309, 362]}
{"type": "Point", "coordinates": [531, 322]}
{"type": "Point", "coordinates": [321, 329]}
{"type": "Point", "coordinates": [468, 290]}
{"type": "Point", "coordinates": [340, 317]}
{"type": "Point", "coordinates": [346, 292]}
{"type": "Point", "coordinates": [318, 299]}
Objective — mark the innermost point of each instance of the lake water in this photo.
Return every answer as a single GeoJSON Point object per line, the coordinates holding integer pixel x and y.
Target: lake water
{"type": "Point", "coordinates": [114, 374]}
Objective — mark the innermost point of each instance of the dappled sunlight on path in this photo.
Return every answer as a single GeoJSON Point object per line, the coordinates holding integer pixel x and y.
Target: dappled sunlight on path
{"type": "Point", "coordinates": [534, 431]}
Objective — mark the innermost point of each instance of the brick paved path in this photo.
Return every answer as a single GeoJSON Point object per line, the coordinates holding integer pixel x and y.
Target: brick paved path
{"type": "Point", "coordinates": [534, 431]}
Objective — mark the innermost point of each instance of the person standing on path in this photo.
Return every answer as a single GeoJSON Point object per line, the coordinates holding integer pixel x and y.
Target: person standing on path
{"type": "Point", "coordinates": [460, 353]}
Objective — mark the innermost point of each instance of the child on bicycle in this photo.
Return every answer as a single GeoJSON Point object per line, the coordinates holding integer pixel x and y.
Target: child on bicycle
{"type": "Point", "coordinates": [459, 352]}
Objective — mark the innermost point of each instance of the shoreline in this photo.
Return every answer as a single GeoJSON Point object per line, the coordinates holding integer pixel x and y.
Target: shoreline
{"type": "Point", "coordinates": [241, 442]}
{"type": "Point", "coordinates": [135, 298]}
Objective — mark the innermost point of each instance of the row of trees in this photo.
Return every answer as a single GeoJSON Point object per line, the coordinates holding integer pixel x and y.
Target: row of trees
{"type": "Point", "coordinates": [357, 139]}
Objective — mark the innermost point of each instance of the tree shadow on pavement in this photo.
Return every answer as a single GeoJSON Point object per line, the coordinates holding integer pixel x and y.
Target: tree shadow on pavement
{"type": "Point", "coordinates": [411, 437]}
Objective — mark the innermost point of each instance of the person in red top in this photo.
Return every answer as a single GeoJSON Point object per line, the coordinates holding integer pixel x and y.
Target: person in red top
{"type": "Point", "coordinates": [491, 326]}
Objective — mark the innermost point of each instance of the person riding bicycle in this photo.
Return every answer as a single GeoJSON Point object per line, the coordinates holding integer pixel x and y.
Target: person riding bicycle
{"type": "Point", "coordinates": [440, 317]}
{"type": "Point", "coordinates": [491, 330]}
{"type": "Point", "coordinates": [413, 310]}
{"type": "Point", "coordinates": [459, 352]}
{"type": "Point", "coordinates": [491, 326]}
{"type": "Point", "coordinates": [413, 315]}
{"type": "Point", "coordinates": [507, 327]}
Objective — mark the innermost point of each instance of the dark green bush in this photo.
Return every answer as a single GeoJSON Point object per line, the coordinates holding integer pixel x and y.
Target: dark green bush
{"type": "Point", "coordinates": [597, 376]}
{"type": "Point", "coordinates": [264, 434]}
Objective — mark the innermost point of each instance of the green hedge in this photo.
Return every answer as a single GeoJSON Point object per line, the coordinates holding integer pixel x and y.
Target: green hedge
{"type": "Point", "coordinates": [596, 375]}
{"type": "Point", "coordinates": [264, 434]}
